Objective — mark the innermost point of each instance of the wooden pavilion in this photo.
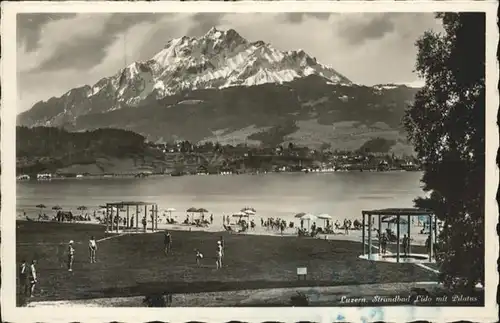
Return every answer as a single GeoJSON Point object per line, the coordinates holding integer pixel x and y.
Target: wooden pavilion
{"type": "Point", "coordinates": [113, 212]}
{"type": "Point", "coordinates": [398, 215]}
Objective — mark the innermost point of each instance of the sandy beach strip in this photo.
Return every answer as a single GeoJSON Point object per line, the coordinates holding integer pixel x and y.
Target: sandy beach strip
{"type": "Point", "coordinates": [353, 235]}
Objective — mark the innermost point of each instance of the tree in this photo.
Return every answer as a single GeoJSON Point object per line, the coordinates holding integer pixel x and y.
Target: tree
{"type": "Point", "coordinates": [325, 146]}
{"type": "Point", "coordinates": [446, 124]}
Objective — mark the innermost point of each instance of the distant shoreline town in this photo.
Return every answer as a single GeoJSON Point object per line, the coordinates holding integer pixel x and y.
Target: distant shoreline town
{"type": "Point", "coordinates": [184, 158]}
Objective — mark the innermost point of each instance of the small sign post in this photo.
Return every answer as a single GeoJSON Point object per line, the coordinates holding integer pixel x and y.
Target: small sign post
{"type": "Point", "coordinates": [302, 272]}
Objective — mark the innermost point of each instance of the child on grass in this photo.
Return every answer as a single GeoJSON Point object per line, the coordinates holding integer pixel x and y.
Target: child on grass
{"type": "Point", "coordinates": [199, 257]}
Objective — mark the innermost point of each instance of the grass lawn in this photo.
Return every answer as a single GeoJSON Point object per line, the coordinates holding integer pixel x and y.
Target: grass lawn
{"type": "Point", "coordinates": [134, 265]}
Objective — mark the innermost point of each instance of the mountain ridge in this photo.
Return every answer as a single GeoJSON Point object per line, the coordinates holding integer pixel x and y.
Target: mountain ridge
{"type": "Point", "coordinates": [218, 59]}
{"type": "Point", "coordinates": [222, 87]}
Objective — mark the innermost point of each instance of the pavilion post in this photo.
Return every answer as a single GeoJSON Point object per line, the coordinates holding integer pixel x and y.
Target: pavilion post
{"type": "Point", "coordinates": [128, 216]}
{"type": "Point", "coordinates": [156, 216]}
{"type": "Point", "coordinates": [112, 219]}
{"type": "Point", "coordinates": [435, 228]}
{"type": "Point", "coordinates": [152, 216]}
{"type": "Point", "coordinates": [379, 233]}
{"type": "Point", "coordinates": [363, 234]}
{"type": "Point", "coordinates": [117, 219]}
{"type": "Point", "coordinates": [146, 217]}
{"type": "Point", "coordinates": [431, 242]}
{"type": "Point", "coordinates": [398, 237]}
{"type": "Point", "coordinates": [369, 236]}
{"type": "Point", "coordinates": [137, 218]}
{"type": "Point", "coordinates": [409, 232]}
{"type": "Point", "coordinates": [107, 218]}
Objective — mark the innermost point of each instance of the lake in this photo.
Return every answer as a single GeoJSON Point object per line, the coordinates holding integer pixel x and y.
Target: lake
{"type": "Point", "coordinates": [340, 194]}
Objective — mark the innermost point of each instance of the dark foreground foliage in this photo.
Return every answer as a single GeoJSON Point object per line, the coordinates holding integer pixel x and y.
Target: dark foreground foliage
{"type": "Point", "coordinates": [446, 124]}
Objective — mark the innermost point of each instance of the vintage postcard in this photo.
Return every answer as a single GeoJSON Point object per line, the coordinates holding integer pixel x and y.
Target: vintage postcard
{"type": "Point", "coordinates": [250, 161]}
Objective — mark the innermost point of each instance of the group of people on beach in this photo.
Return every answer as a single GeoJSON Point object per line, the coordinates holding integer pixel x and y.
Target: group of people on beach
{"type": "Point", "coordinates": [277, 224]}
{"type": "Point", "coordinates": [201, 222]}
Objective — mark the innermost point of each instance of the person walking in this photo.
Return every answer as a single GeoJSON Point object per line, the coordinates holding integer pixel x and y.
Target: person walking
{"type": "Point", "coordinates": [71, 255]}
{"type": "Point", "coordinates": [218, 262]}
{"type": "Point", "coordinates": [406, 244]}
{"type": "Point", "coordinates": [383, 243]}
{"type": "Point", "coordinates": [222, 244]}
{"type": "Point", "coordinates": [167, 241]}
{"type": "Point", "coordinates": [199, 257]}
{"type": "Point", "coordinates": [33, 277]}
{"type": "Point", "coordinates": [92, 249]}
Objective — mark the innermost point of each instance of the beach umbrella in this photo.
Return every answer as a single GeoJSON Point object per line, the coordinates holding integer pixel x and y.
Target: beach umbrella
{"type": "Point", "coordinates": [192, 210]}
{"type": "Point", "coordinates": [324, 217]}
{"type": "Point", "coordinates": [239, 214]}
{"type": "Point", "coordinates": [299, 215]}
{"type": "Point", "coordinates": [56, 208]}
{"type": "Point", "coordinates": [248, 209]}
{"type": "Point", "coordinates": [308, 217]}
{"type": "Point", "coordinates": [81, 208]}
{"type": "Point", "coordinates": [41, 206]}
{"type": "Point", "coordinates": [170, 210]}
{"type": "Point", "coordinates": [202, 211]}
{"type": "Point", "coordinates": [393, 219]}
{"type": "Point", "coordinates": [249, 212]}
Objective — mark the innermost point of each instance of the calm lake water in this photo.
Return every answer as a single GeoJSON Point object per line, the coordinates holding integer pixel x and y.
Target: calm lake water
{"type": "Point", "coordinates": [342, 195]}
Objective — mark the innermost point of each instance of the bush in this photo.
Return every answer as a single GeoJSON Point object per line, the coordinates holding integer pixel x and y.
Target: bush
{"type": "Point", "coordinates": [299, 300]}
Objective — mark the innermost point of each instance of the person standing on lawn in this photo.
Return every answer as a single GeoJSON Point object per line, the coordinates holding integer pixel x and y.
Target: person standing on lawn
{"type": "Point", "coordinates": [167, 241]}
{"type": "Point", "coordinates": [222, 244]}
{"type": "Point", "coordinates": [71, 255]}
{"type": "Point", "coordinates": [218, 262]}
{"type": "Point", "coordinates": [199, 257]}
{"type": "Point", "coordinates": [23, 278]}
{"type": "Point", "coordinates": [33, 278]}
{"type": "Point", "coordinates": [92, 249]}
{"type": "Point", "coordinates": [406, 244]}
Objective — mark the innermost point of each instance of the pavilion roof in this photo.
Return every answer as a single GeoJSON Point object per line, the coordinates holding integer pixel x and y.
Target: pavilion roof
{"type": "Point", "coordinates": [399, 211]}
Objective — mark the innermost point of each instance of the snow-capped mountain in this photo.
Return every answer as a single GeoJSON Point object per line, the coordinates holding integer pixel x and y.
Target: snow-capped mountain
{"type": "Point", "coordinates": [219, 59]}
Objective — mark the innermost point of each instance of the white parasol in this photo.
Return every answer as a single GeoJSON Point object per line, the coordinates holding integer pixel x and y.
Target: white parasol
{"type": "Point", "coordinates": [170, 210]}
{"type": "Point", "coordinates": [239, 214]}
{"type": "Point", "coordinates": [308, 217]}
{"type": "Point", "coordinates": [325, 217]}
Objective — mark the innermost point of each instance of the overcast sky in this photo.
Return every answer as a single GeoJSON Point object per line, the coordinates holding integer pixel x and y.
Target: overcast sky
{"type": "Point", "coordinates": [57, 52]}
